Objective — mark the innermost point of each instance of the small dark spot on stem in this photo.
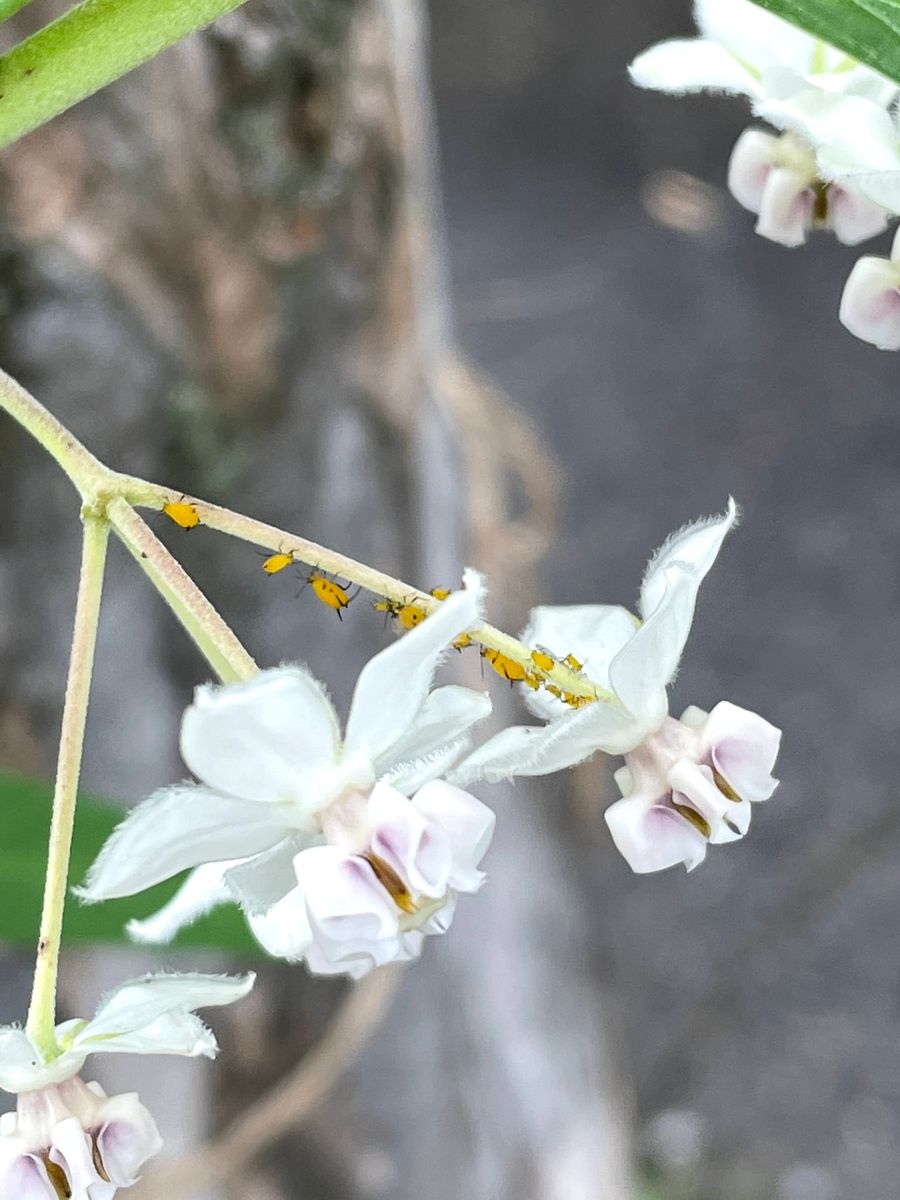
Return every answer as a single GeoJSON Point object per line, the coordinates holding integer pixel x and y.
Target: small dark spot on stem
{"type": "Point", "coordinates": [29, 70]}
{"type": "Point", "coordinates": [143, 554]}
{"type": "Point", "coordinates": [42, 945]}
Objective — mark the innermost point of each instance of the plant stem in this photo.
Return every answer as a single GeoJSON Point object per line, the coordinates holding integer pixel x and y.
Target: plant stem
{"type": "Point", "coordinates": [86, 472]}
{"type": "Point", "coordinates": [42, 1011]}
{"type": "Point", "coordinates": [213, 638]}
{"type": "Point", "coordinates": [320, 558]}
{"type": "Point", "coordinates": [86, 48]}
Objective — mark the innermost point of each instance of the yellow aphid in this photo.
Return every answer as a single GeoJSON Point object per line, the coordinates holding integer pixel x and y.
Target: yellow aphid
{"type": "Point", "coordinates": [532, 681]}
{"type": "Point", "coordinates": [277, 562]}
{"type": "Point", "coordinates": [554, 690]}
{"type": "Point", "coordinates": [440, 593]}
{"type": "Point", "coordinates": [542, 660]}
{"type": "Point", "coordinates": [386, 606]}
{"type": "Point", "coordinates": [504, 665]}
{"type": "Point", "coordinates": [182, 513]}
{"type": "Point", "coordinates": [575, 701]}
{"type": "Point", "coordinates": [462, 641]}
{"type": "Point", "coordinates": [571, 661]}
{"type": "Point", "coordinates": [329, 592]}
{"type": "Point", "coordinates": [410, 615]}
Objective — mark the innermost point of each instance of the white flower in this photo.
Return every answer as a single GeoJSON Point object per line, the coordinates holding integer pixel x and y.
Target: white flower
{"type": "Point", "coordinates": [870, 304]}
{"type": "Point", "coordinates": [288, 819]}
{"type": "Point", "coordinates": [67, 1139]}
{"type": "Point", "coordinates": [747, 51]}
{"type": "Point", "coordinates": [70, 1140]}
{"type": "Point", "coordinates": [690, 784]}
{"type": "Point", "coordinates": [633, 658]}
{"type": "Point", "coordinates": [778, 178]}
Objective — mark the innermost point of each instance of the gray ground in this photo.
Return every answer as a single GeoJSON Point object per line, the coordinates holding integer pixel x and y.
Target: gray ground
{"type": "Point", "coordinates": [667, 369]}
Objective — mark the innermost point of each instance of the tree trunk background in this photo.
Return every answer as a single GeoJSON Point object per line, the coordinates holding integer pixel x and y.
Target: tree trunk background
{"type": "Point", "coordinates": [226, 273]}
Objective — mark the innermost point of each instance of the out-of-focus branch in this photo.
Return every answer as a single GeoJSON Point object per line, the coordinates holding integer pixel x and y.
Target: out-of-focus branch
{"type": "Point", "coordinates": [289, 1103]}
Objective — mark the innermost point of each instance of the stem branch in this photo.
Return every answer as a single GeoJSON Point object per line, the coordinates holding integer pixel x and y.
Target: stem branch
{"type": "Point", "coordinates": [212, 636]}
{"type": "Point", "coordinates": [42, 1011]}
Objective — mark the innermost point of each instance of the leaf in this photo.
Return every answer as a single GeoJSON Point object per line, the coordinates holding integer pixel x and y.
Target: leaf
{"type": "Point", "coordinates": [26, 805]}
{"type": "Point", "coordinates": [866, 29]}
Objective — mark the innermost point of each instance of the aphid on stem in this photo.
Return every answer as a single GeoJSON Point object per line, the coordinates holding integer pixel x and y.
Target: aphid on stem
{"type": "Point", "coordinates": [506, 667]}
{"type": "Point", "coordinates": [278, 561]}
{"type": "Point", "coordinates": [182, 512]}
{"type": "Point", "coordinates": [329, 592]}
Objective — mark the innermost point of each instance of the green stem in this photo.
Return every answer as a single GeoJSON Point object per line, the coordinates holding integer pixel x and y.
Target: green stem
{"type": "Point", "coordinates": [85, 49]}
{"type": "Point", "coordinates": [320, 558]}
{"type": "Point", "coordinates": [42, 1011]}
{"type": "Point", "coordinates": [212, 636]}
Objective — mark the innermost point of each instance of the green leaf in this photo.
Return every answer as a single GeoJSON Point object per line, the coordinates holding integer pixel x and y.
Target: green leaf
{"type": "Point", "coordinates": [866, 29]}
{"type": "Point", "coordinates": [25, 804]}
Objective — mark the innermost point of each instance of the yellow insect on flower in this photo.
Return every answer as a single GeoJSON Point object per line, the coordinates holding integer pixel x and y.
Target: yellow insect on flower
{"type": "Point", "coordinates": [574, 701]}
{"type": "Point", "coordinates": [571, 661]}
{"type": "Point", "coordinates": [543, 660]}
{"type": "Point", "coordinates": [462, 641]}
{"type": "Point", "coordinates": [277, 562]}
{"type": "Point", "coordinates": [410, 615]}
{"type": "Point", "coordinates": [531, 680]}
{"type": "Point", "coordinates": [440, 593]}
{"type": "Point", "coordinates": [329, 592]}
{"type": "Point", "coordinates": [182, 512]}
{"type": "Point", "coordinates": [505, 666]}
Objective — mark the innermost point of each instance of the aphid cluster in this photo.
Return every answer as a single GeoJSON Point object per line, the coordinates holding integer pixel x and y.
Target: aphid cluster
{"type": "Point", "coordinates": [543, 663]}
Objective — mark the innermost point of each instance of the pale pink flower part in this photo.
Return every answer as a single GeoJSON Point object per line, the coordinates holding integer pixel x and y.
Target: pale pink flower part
{"type": "Point", "coordinates": [690, 784]}
{"type": "Point", "coordinates": [70, 1140]}
{"type": "Point", "coordinates": [777, 178]}
{"type": "Point", "coordinates": [870, 303]}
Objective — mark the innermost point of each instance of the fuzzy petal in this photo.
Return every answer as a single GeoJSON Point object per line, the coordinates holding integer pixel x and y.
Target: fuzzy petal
{"type": "Point", "coordinates": [18, 1060]}
{"type": "Point", "coordinates": [695, 546]}
{"type": "Point", "coordinates": [136, 1006]}
{"type": "Point", "coordinates": [443, 721]}
{"type": "Point", "coordinates": [393, 686]}
{"type": "Point", "coordinates": [261, 739]}
{"type": "Point", "coordinates": [469, 825]}
{"type": "Point", "coordinates": [870, 304]}
{"type": "Point", "coordinates": [743, 747]}
{"type": "Point", "coordinates": [756, 36]}
{"type": "Point", "coordinates": [202, 891]}
{"type": "Point", "coordinates": [651, 836]}
{"type": "Point", "coordinates": [751, 163]}
{"type": "Point", "coordinates": [258, 883]}
{"type": "Point", "coordinates": [692, 65]}
{"type": "Point", "coordinates": [179, 828]}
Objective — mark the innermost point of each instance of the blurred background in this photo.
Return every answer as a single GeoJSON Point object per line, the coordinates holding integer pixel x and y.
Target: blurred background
{"type": "Point", "coordinates": [462, 294]}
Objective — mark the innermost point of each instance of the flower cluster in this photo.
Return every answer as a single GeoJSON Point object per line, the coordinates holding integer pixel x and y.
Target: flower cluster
{"type": "Point", "coordinates": [834, 163]}
{"type": "Point", "coordinates": [68, 1140]}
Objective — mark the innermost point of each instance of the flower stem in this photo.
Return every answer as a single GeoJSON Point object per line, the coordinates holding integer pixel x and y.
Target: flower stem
{"type": "Point", "coordinates": [42, 1011]}
{"type": "Point", "coordinates": [85, 49]}
{"type": "Point", "coordinates": [320, 558]}
{"type": "Point", "coordinates": [212, 636]}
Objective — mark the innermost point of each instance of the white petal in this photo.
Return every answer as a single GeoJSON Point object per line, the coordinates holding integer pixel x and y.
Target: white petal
{"type": "Point", "coordinates": [72, 1151]}
{"type": "Point", "coordinates": [134, 1006]}
{"type": "Point", "coordinates": [695, 546]}
{"type": "Point", "coordinates": [393, 686]}
{"type": "Point", "coordinates": [127, 1138]}
{"type": "Point", "coordinates": [854, 218]}
{"type": "Point", "coordinates": [691, 65]}
{"type": "Point", "coordinates": [543, 749]}
{"type": "Point", "coordinates": [24, 1177]}
{"type": "Point", "coordinates": [749, 167]}
{"type": "Point", "coordinates": [693, 786]}
{"type": "Point", "coordinates": [419, 852]}
{"type": "Point", "coordinates": [758, 37]}
{"type": "Point", "coordinates": [446, 716]}
{"type": "Point", "coordinates": [284, 931]}
{"type": "Point", "coordinates": [261, 739]}
{"type": "Point", "coordinates": [202, 891]}
{"type": "Point", "coordinates": [19, 1061]}
{"type": "Point", "coordinates": [349, 911]}
{"type": "Point", "coordinates": [408, 777]}
{"type": "Point", "coordinates": [469, 825]}
{"type": "Point", "coordinates": [178, 828]}
{"type": "Point", "coordinates": [258, 883]}
{"type": "Point", "coordinates": [651, 836]}
{"type": "Point", "coordinates": [786, 211]}
{"type": "Point", "coordinates": [743, 747]}
{"type": "Point", "coordinates": [870, 304]}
